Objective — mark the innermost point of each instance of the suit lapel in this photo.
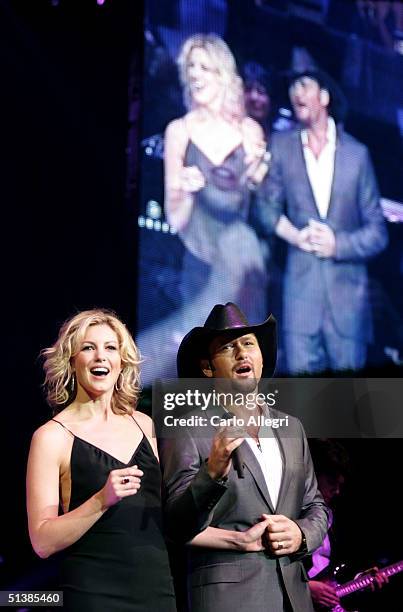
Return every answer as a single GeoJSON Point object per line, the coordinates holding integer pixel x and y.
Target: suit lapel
{"type": "Point", "coordinates": [247, 459]}
{"type": "Point", "coordinates": [251, 463]}
{"type": "Point", "coordinates": [339, 160]}
{"type": "Point", "coordinates": [287, 452]}
{"type": "Point", "coordinates": [301, 171]}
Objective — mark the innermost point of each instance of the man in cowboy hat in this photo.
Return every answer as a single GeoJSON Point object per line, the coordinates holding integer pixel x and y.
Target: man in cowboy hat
{"type": "Point", "coordinates": [247, 527]}
{"type": "Point", "coordinates": [321, 196]}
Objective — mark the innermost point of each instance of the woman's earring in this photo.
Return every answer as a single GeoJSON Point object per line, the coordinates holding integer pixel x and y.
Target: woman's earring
{"type": "Point", "coordinates": [72, 383]}
{"type": "Point", "coordinates": [119, 383]}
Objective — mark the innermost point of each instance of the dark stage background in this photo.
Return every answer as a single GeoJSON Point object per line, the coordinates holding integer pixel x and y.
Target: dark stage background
{"type": "Point", "coordinates": [69, 239]}
{"type": "Point", "coordinates": [70, 205]}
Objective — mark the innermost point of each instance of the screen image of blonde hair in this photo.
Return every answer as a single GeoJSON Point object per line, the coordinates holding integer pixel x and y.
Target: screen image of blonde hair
{"type": "Point", "coordinates": [225, 66]}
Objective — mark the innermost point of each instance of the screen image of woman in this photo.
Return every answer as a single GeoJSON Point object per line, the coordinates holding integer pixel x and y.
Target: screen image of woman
{"type": "Point", "coordinates": [93, 478]}
{"type": "Point", "coordinates": [214, 159]}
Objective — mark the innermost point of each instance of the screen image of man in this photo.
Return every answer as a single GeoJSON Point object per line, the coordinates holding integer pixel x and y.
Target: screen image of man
{"type": "Point", "coordinates": [321, 196]}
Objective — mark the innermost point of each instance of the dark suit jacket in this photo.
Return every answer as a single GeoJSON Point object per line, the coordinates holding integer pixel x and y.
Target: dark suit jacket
{"type": "Point", "coordinates": [221, 579]}
{"type": "Point", "coordinates": [339, 283]}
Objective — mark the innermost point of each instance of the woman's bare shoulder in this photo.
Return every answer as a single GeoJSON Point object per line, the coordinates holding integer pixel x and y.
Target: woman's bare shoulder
{"type": "Point", "coordinates": [252, 128]}
{"type": "Point", "coordinates": [145, 422]}
{"type": "Point", "coordinates": [50, 436]}
{"type": "Point", "coordinates": [176, 127]}
{"type": "Point", "coordinates": [147, 426]}
{"type": "Point", "coordinates": [176, 136]}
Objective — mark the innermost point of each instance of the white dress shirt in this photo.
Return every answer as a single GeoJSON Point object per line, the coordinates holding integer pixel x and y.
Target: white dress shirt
{"type": "Point", "coordinates": [269, 459]}
{"type": "Point", "coordinates": [321, 169]}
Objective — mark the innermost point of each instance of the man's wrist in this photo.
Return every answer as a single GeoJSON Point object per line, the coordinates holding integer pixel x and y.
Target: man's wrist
{"type": "Point", "coordinates": [218, 478]}
{"type": "Point", "coordinates": [303, 548]}
{"type": "Point", "coordinates": [222, 480]}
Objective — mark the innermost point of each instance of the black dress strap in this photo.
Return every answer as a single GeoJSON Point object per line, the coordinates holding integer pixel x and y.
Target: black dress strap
{"type": "Point", "coordinates": [64, 427]}
{"type": "Point", "coordinates": [145, 438]}
{"type": "Point", "coordinates": [138, 425]}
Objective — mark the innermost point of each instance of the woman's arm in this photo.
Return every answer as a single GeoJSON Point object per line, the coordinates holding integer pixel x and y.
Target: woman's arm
{"type": "Point", "coordinates": [299, 238]}
{"type": "Point", "coordinates": [49, 532]}
{"type": "Point", "coordinates": [225, 539]}
{"type": "Point", "coordinates": [180, 181]}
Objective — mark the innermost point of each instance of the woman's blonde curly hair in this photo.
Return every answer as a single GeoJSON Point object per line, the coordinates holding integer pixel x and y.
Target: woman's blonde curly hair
{"type": "Point", "coordinates": [59, 382]}
{"type": "Point", "coordinates": [233, 106]}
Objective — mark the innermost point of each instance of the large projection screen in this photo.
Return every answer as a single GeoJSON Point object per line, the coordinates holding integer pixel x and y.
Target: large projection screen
{"type": "Point", "coordinates": [182, 274]}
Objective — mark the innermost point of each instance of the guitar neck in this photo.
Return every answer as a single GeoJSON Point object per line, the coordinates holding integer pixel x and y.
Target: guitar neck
{"type": "Point", "coordinates": [364, 581]}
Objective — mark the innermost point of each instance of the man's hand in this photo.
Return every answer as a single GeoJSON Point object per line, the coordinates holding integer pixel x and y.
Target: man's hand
{"type": "Point", "coordinates": [303, 239]}
{"type": "Point", "coordinates": [322, 239]}
{"type": "Point", "coordinates": [323, 593]}
{"type": "Point", "coordinates": [251, 540]}
{"type": "Point", "coordinates": [379, 579]}
{"type": "Point", "coordinates": [283, 536]}
{"type": "Point", "coordinates": [224, 443]}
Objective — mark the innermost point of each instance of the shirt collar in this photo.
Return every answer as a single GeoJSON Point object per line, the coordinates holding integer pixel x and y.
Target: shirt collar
{"type": "Point", "coordinates": [330, 133]}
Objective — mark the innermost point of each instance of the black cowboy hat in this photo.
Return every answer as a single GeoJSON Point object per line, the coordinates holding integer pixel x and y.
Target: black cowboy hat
{"type": "Point", "coordinates": [338, 103]}
{"type": "Point", "coordinates": [225, 320]}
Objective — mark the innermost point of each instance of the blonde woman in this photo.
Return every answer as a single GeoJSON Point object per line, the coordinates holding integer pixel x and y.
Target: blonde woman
{"type": "Point", "coordinates": [214, 157]}
{"type": "Point", "coordinates": [93, 480]}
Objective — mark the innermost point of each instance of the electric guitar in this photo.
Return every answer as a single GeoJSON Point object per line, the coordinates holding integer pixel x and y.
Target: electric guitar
{"type": "Point", "coordinates": [362, 582]}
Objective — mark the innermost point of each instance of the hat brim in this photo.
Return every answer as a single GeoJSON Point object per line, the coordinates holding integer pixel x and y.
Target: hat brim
{"type": "Point", "coordinates": [194, 346]}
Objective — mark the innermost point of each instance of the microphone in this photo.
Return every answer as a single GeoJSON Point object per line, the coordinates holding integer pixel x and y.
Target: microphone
{"type": "Point", "coordinates": [235, 455]}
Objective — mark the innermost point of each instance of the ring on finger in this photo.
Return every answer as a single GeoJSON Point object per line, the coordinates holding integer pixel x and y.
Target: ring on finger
{"type": "Point", "coordinates": [280, 545]}
{"type": "Point", "coordinates": [125, 480]}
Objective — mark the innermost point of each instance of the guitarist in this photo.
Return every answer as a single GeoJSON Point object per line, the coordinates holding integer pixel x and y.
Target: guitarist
{"type": "Point", "coordinates": [331, 463]}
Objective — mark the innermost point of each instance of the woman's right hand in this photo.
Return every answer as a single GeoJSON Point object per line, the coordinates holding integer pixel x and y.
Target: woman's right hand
{"type": "Point", "coordinates": [192, 179]}
{"type": "Point", "coordinates": [121, 483]}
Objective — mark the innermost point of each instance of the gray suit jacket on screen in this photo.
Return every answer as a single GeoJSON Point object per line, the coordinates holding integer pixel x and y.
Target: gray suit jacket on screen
{"type": "Point", "coordinates": [339, 283]}
{"type": "Point", "coordinates": [228, 580]}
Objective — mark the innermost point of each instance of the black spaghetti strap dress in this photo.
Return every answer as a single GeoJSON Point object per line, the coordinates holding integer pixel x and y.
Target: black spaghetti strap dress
{"type": "Point", "coordinates": [220, 216]}
{"type": "Point", "coordinates": [120, 564]}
